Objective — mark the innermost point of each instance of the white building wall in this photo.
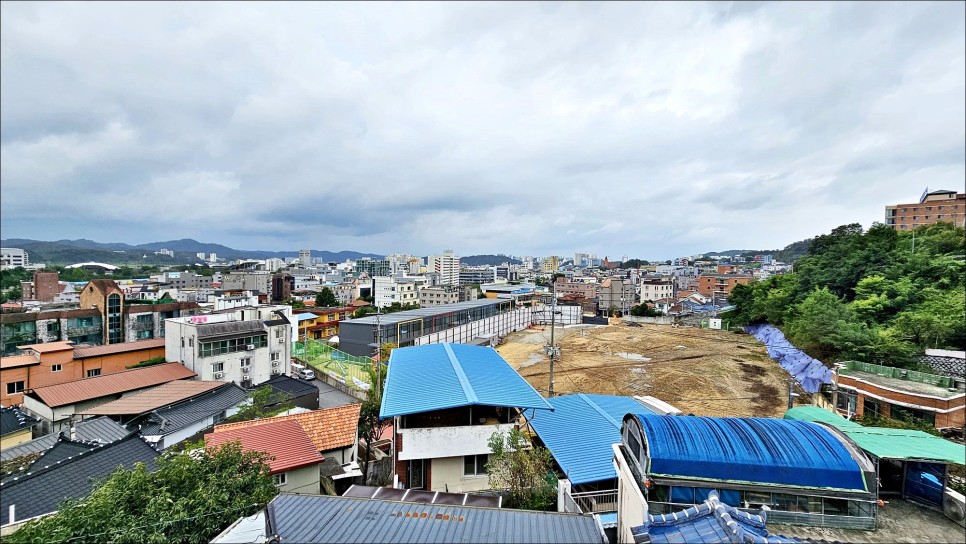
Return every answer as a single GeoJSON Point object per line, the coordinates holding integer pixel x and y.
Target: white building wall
{"type": "Point", "coordinates": [446, 474]}
{"type": "Point", "coordinates": [631, 505]}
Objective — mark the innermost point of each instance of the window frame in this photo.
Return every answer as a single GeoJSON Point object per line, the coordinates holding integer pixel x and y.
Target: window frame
{"type": "Point", "coordinates": [479, 469]}
{"type": "Point", "coordinates": [56, 367]}
{"type": "Point", "coordinates": [280, 479]}
{"type": "Point", "coordinates": [218, 366]}
{"type": "Point", "coordinates": [13, 389]}
{"type": "Point", "coordinates": [93, 372]}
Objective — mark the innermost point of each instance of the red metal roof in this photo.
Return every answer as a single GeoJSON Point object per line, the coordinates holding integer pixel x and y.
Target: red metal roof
{"type": "Point", "coordinates": [111, 384]}
{"type": "Point", "coordinates": [283, 440]}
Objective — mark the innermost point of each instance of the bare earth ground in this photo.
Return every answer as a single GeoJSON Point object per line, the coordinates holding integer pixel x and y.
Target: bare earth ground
{"type": "Point", "coordinates": [704, 372]}
{"type": "Point", "coordinates": [700, 371]}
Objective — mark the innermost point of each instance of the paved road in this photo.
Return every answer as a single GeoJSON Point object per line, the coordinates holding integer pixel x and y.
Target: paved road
{"type": "Point", "coordinates": [330, 397]}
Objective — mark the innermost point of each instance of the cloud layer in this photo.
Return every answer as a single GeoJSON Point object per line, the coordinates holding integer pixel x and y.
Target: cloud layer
{"type": "Point", "coordinates": [642, 129]}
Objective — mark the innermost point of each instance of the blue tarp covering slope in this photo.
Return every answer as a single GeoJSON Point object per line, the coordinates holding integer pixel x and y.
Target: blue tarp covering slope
{"type": "Point", "coordinates": [760, 450]}
{"type": "Point", "coordinates": [810, 373]}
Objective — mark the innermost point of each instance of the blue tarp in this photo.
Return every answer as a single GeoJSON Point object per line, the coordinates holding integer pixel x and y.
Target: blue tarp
{"type": "Point", "coordinates": [810, 373]}
{"type": "Point", "coordinates": [758, 450]}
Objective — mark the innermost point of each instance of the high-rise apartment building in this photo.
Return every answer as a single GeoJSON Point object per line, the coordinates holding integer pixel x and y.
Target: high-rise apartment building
{"type": "Point", "coordinates": [933, 207]}
{"type": "Point", "coordinates": [447, 266]}
{"type": "Point", "coordinates": [305, 257]}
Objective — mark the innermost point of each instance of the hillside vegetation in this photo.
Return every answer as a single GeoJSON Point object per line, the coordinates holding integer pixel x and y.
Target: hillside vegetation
{"type": "Point", "coordinates": [878, 296]}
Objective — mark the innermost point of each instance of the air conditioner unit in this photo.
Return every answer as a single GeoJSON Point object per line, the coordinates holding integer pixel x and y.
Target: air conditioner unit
{"type": "Point", "coordinates": [276, 372]}
{"type": "Point", "coordinates": [274, 363]}
{"type": "Point", "coordinates": [250, 347]}
{"type": "Point", "coordinates": [245, 370]}
{"type": "Point", "coordinates": [219, 375]}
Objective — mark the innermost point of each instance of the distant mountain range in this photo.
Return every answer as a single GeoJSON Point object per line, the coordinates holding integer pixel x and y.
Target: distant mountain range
{"type": "Point", "coordinates": [62, 252]}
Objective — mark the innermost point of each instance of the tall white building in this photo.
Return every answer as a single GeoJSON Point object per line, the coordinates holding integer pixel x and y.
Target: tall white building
{"type": "Point", "coordinates": [13, 257]}
{"type": "Point", "coordinates": [447, 266]}
{"type": "Point", "coordinates": [246, 345]}
{"type": "Point", "coordinates": [305, 257]}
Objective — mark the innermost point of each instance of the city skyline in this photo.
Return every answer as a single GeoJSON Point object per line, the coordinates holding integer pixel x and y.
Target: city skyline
{"type": "Point", "coordinates": [655, 130]}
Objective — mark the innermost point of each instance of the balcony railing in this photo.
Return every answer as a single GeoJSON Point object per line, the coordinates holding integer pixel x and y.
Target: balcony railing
{"type": "Point", "coordinates": [83, 331]}
{"type": "Point", "coordinates": [142, 326]}
{"type": "Point", "coordinates": [595, 501]}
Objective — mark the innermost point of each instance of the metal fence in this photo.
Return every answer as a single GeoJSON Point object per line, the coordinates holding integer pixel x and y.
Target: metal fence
{"type": "Point", "coordinates": [595, 501]}
{"type": "Point", "coordinates": [351, 371]}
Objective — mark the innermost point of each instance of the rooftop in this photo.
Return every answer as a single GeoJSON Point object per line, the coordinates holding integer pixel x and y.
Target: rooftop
{"type": "Point", "coordinates": [111, 384]}
{"type": "Point", "coordinates": [908, 386]}
{"type": "Point", "coordinates": [13, 419]}
{"type": "Point", "coordinates": [17, 361]}
{"type": "Point", "coordinates": [285, 441]}
{"type": "Point", "coordinates": [49, 347]}
{"type": "Point", "coordinates": [317, 519]}
{"type": "Point", "coordinates": [580, 431]}
{"type": "Point", "coordinates": [153, 398]}
{"type": "Point", "coordinates": [98, 429]}
{"type": "Point", "coordinates": [407, 315]}
{"type": "Point", "coordinates": [754, 450]}
{"type": "Point", "coordinates": [457, 375]}
{"type": "Point", "coordinates": [110, 349]}
{"type": "Point", "coordinates": [328, 429]}
{"type": "Point", "coordinates": [168, 419]}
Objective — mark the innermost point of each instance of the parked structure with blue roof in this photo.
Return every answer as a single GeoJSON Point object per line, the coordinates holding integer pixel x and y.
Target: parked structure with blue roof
{"type": "Point", "coordinates": [805, 472]}
{"type": "Point", "coordinates": [446, 401]}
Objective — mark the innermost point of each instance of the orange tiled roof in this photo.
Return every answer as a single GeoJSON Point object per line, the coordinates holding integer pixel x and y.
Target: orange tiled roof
{"type": "Point", "coordinates": [14, 361]}
{"type": "Point", "coordinates": [283, 440]}
{"type": "Point", "coordinates": [328, 429]}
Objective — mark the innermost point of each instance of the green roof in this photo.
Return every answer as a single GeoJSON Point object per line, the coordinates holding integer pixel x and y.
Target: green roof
{"type": "Point", "coordinates": [886, 443]}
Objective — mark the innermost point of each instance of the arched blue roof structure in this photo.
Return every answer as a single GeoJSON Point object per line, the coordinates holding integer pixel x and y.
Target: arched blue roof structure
{"type": "Point", "coordinates": [757, 450]}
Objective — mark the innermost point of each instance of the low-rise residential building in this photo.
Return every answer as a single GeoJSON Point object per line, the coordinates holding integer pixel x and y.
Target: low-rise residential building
{"type": "Point", "coordinates": [57, 405]}
{"type": "Point", "coordinates": [656, 289]}
{"type": "Point", "coordinates": [98, 430]}
{"type": "Point", "coordinates": [933, 207]}
{"type": "Point", "coordinates": [867, 390]}
{"type": "Point", "coordinates": [439, 295]}
{"type": "Point", "coordinates": [388, 290]}
{"type": "Point", "coordinates": [16, 426]}
{"type": "Point", "coordinates": [616, 295]}
{"type": "Point", "coordinates": [294, 463]}
{"type": "Point", "coordinates": [53, 363]}
{"type": "Point", "coordinates": [477, 275]}
{"type": "Point", "coordinates": [243, 345]}
{"type": "Point", "coordinates": [719, 286]}
{"type": "Point", "coordinates": [441, 440]}
{"type": "Point", "coordinates": [321, 323]}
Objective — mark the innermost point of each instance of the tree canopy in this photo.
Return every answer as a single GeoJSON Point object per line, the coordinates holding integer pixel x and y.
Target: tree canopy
{"type": "Point", "coordinates": [190, 498]}
{"type": "Point", "coordinates": [525, 471]}
{"type": "Point", "coordinates": [325, 298]}
{"type": "Point", "coordinates": [879, 295]}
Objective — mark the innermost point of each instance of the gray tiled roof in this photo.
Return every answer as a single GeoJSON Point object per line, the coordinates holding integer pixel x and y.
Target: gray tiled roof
{"type": "Point", "coordinates": [290, 385]}
{"type": "Point", "coordinates": [99, 429]}
{"type": "Point", "coordinates": [314, 518]}
{"type": "Point", "coordinates": [169, 419]}
{"type": "Point", "coordinates": [13, 419]}
{"type": "Point", "coordinates": [43, 490]}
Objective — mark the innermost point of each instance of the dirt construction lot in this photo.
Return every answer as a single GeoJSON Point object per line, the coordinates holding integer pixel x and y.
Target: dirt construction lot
{"type": "Point", "coordinates": [704, 372]}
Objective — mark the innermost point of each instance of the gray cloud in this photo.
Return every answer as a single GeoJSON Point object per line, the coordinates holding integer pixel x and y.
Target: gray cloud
{"type": "Point", "coordinates": [650, 130]}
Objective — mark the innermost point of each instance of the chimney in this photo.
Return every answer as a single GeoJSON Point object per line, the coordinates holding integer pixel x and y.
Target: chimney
{"type": "Point", "coordinates": [73, 432]}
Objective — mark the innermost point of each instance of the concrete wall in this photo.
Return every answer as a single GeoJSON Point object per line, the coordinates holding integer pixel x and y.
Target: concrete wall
{"type": "Point", "coordinates": [302, 481]}
{"type": "Point", "coordinates": [12, 439]}
{"type": "Point", "coordinates": [447, 475]}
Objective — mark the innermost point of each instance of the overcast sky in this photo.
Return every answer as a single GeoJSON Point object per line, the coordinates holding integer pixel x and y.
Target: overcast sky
{"type": "Point", "coordinates": [642, 129]}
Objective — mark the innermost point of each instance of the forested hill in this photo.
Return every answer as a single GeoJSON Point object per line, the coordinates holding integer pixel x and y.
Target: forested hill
{"type": "Point", "coordinates": [879, 296]}
{"type": "Point", "coordinates": [487, 260]}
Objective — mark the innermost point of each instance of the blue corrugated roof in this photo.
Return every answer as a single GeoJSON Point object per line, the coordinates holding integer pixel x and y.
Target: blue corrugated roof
{"type": "Point", "coordinates": [760, 450]}
{"type": "Point", "coordinates": [580, 432]}
{"type": "Point", "coordinates": [438, 376]}
{"type": "Point", "coordinates": [305, 316]}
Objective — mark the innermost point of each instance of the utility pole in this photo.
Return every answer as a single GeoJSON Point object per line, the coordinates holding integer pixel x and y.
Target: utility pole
{"type": "Point", "coordinates": [553, 320]}
{"type": "Point", "coordinates": [791, 395]}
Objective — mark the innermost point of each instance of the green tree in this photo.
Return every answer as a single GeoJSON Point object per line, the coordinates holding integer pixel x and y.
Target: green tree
{"type": "Point", "coordinates": [325, 298]}
{"type": "Point", "coordinates": [824, 327]}
{"type": "Point", "coordinates": [525, 471]}
{"type": "Point", "coordinates": [190, 498]}
{"type": "Point", "coordinates": [370, 426]}
{"type": "Point", "coordinates": [643, 310]}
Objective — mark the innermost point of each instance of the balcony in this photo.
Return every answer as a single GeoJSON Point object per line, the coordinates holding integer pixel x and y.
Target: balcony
{"type": "Point", "coordinates": [435, 442]}
{"type": "Point", "coordinates": [142, 326]}
{"type": "Point", "coordinates": [593, 501]}
{"type": "Point", "coordinates": [84, 331]}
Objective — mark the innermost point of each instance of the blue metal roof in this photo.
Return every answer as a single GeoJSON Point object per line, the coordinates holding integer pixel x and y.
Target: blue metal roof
{"type": "Point", "coordinates": [438, 376]}
{"type": "Point", "coordinates": [319, 518]}
{"type": "Point", "coordinates": [305, 316]}
{"type": "Point", "coordinates": [757, 450]}
{"type": "Point", "coordinates": [580, 432]}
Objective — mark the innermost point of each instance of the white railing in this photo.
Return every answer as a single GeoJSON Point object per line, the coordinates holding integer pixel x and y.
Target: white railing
{"type": "Point", "coordinates": [595, 501]}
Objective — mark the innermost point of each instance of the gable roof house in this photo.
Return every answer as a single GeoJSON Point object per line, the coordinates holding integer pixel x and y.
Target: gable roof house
{"type": "Point", "coordinates": [98, 430]}
{"type": "Point", "coordinates": [16, 426]}
{"type": "Point", "coordinates": [57, 404]}
{"type": "Point", "coordinates": [295, 459]}
{"type": "Point", "coordinates": [67, 474]}
{"type": "Point", "coordinates": [441, 439]}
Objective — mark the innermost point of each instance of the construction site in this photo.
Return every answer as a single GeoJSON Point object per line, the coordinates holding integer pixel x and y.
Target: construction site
{"type": "Point", "coordinates": [699, 371]}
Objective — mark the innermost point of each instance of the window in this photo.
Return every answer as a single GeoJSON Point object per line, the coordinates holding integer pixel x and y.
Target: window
{"type": "Point", "coordinates": [14, 387]}
{"type": "Point", "coordinates": [902, 413]}
{"type": "Point", "coordinates": [53, 327]}
{"type": "Point", "coordinates": [217, 367]}
{"type": "Point", "coordinates": [475, 465]}
{"type": "Point", "coordinates": [56, 368]}
{"type": "Point", "coordinates": [280, 479]}
{"type": "Point", "coordinates": [246, 362]}
{"type": "Point", "coordinates": [93, 372]}
{"type": "Point", "coordinates": [274, 355]}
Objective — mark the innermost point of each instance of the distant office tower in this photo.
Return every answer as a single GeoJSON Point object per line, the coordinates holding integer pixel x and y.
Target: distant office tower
{"type": "Point", "coordinates": [933, 207]}
{"type": "Point", "coordinates": [305, 257]}
{"type": "Point", "coordinates": [447, 266]}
